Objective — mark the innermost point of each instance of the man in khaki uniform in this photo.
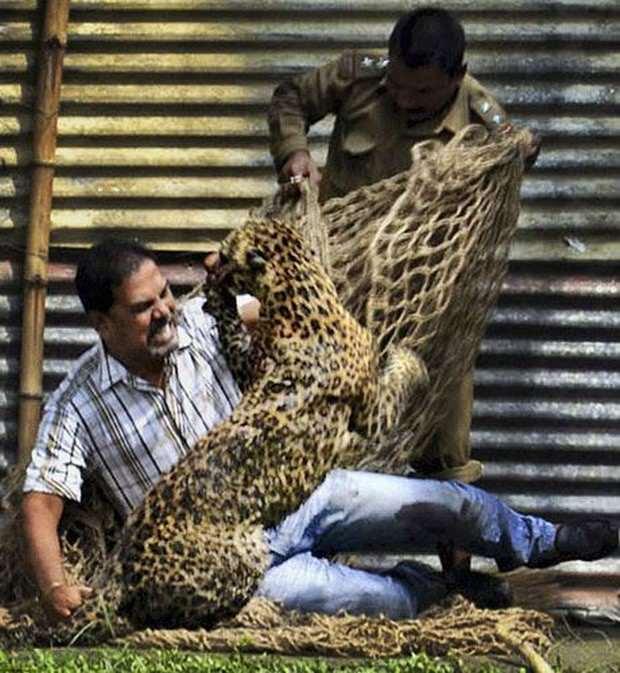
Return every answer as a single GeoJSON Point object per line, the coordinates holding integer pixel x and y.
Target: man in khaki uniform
{"type": "Point", "coordinates": [373, 134]}
{"type": "Point", "coordinates": [382, 107]}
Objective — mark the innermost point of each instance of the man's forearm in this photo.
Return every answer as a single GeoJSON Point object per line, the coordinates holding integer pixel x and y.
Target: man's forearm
{"type": "Point", "coordinates": [287, 124]}
{"type": "Point", "coordinates": [41, 514]}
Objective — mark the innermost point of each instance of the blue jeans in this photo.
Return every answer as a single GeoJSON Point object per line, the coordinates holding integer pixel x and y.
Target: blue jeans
{"type": "Point", "coordinates": [364, 512]}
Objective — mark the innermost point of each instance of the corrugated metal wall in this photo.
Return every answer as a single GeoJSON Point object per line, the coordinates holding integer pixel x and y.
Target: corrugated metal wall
{"type": "Point", "coordinates": [163, 109]}
{"type": "Point", "coordinates": [162, 129]}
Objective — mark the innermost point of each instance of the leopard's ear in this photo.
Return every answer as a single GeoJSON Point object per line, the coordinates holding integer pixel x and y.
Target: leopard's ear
{"type": "Point", "coordinates": [255, 260]}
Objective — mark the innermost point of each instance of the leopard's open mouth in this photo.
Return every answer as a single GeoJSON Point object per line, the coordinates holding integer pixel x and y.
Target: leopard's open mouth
{"type": "Point", "coordinates": [218, 283]}
{"type": "Point", "coordinates": [219, 272]}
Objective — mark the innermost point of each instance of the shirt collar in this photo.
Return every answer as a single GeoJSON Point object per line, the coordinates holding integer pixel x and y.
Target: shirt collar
{"type": "Point", "coordinates": [111, 371]}
{"type": "Point", "coordinates": [452, 119]}
{"type": "Point", "coordinates": [455, 118]}
{"type": "Point", "coordinates": [184, 338]}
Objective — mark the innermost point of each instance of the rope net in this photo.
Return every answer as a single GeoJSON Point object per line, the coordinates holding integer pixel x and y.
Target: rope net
{"type": "Point", "coordinates": [419, 259]}
{"type": "Point", "coordinates": [456, 626]}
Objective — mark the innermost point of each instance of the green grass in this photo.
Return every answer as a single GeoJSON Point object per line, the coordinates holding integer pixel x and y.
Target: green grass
{"type": "Point", "coordinates": [171, 661]}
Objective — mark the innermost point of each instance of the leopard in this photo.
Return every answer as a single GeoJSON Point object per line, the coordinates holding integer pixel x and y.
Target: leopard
{"type": "Point", "coordinates": [315, 394]}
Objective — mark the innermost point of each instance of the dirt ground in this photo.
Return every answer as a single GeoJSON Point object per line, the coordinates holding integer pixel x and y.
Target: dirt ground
{"type": "Point", "coordinates": [581, 646]}
{"type": "Point", "coordinates": [589, 649]}
{"type": "Point", "coordinates": [578, 649]}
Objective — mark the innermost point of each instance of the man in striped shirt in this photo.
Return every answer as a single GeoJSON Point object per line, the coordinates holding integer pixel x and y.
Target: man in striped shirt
{"type": "Point", "coordinates": [157, 381]}
{"type": "Point", "coordinates": [131, 406]}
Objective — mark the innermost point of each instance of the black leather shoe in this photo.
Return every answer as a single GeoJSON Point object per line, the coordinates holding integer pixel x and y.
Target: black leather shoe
{"type": "Point", "coordinates": [582, 541]}
{"type": "Point", "coordinates": [484, 591]}
{"type": "Point", "coordinates": [419, 576]}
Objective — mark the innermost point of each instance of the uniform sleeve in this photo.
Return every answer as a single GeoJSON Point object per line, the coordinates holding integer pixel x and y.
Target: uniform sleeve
{"type": "Point", "coordinates": [58, 459]}
{"type": "Point", "coordinates": [303, 100]}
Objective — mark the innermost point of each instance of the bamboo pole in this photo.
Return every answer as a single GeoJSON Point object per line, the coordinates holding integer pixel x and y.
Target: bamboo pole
{"type": "Point", "coordinates": [44, 134]}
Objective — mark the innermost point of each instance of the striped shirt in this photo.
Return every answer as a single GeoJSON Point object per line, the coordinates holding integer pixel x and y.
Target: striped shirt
{"type": "Point", "coordinates": [124, 432]}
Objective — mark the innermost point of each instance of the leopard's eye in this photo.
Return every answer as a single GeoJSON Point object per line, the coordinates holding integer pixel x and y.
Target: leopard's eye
{"type": "Point", "coordinates": [255, 260]}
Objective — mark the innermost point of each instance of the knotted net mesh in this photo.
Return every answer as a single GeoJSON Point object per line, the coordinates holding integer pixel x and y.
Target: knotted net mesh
{"type": "Point", "coordinates": [419, 259]}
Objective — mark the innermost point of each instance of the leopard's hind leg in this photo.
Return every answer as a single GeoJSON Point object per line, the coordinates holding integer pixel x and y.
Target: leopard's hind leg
{"type": "Point", "coordinates": [402, 377]}
{"type": "Point", "coordinates": [197, 577]}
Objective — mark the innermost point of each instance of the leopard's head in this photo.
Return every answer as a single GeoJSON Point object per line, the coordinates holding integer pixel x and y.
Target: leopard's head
{"type": "Point", "coordinates": [261, 257]}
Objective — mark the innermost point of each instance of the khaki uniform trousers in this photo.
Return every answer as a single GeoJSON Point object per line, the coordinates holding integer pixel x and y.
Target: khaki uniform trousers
{"type": "Point", "coordinates": [448, 454]}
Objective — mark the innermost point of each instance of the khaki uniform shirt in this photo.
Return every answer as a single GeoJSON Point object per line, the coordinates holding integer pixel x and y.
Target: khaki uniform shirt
{"type": "Point", "coordinates": [372, 138]}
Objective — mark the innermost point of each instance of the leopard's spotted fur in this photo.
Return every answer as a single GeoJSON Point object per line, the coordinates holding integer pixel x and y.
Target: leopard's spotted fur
{"type": "Point", "coordinates": [194, 551]}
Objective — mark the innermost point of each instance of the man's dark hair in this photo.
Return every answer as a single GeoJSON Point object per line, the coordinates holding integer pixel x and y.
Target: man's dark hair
{"type": "Point", "coordinates": [429, 36]}
{"type": "Point", "coordinates": [104, 267]}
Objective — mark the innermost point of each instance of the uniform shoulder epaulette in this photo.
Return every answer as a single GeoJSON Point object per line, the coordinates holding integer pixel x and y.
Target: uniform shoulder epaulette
{"type": "Point", "coordinates": [485, 106]}
{"type": "Point", "coordinates": [365, 65]}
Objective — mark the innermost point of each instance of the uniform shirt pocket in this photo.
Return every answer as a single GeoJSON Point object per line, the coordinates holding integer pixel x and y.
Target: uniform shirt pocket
{"type": "Point", "coordinates": [359, 137]}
